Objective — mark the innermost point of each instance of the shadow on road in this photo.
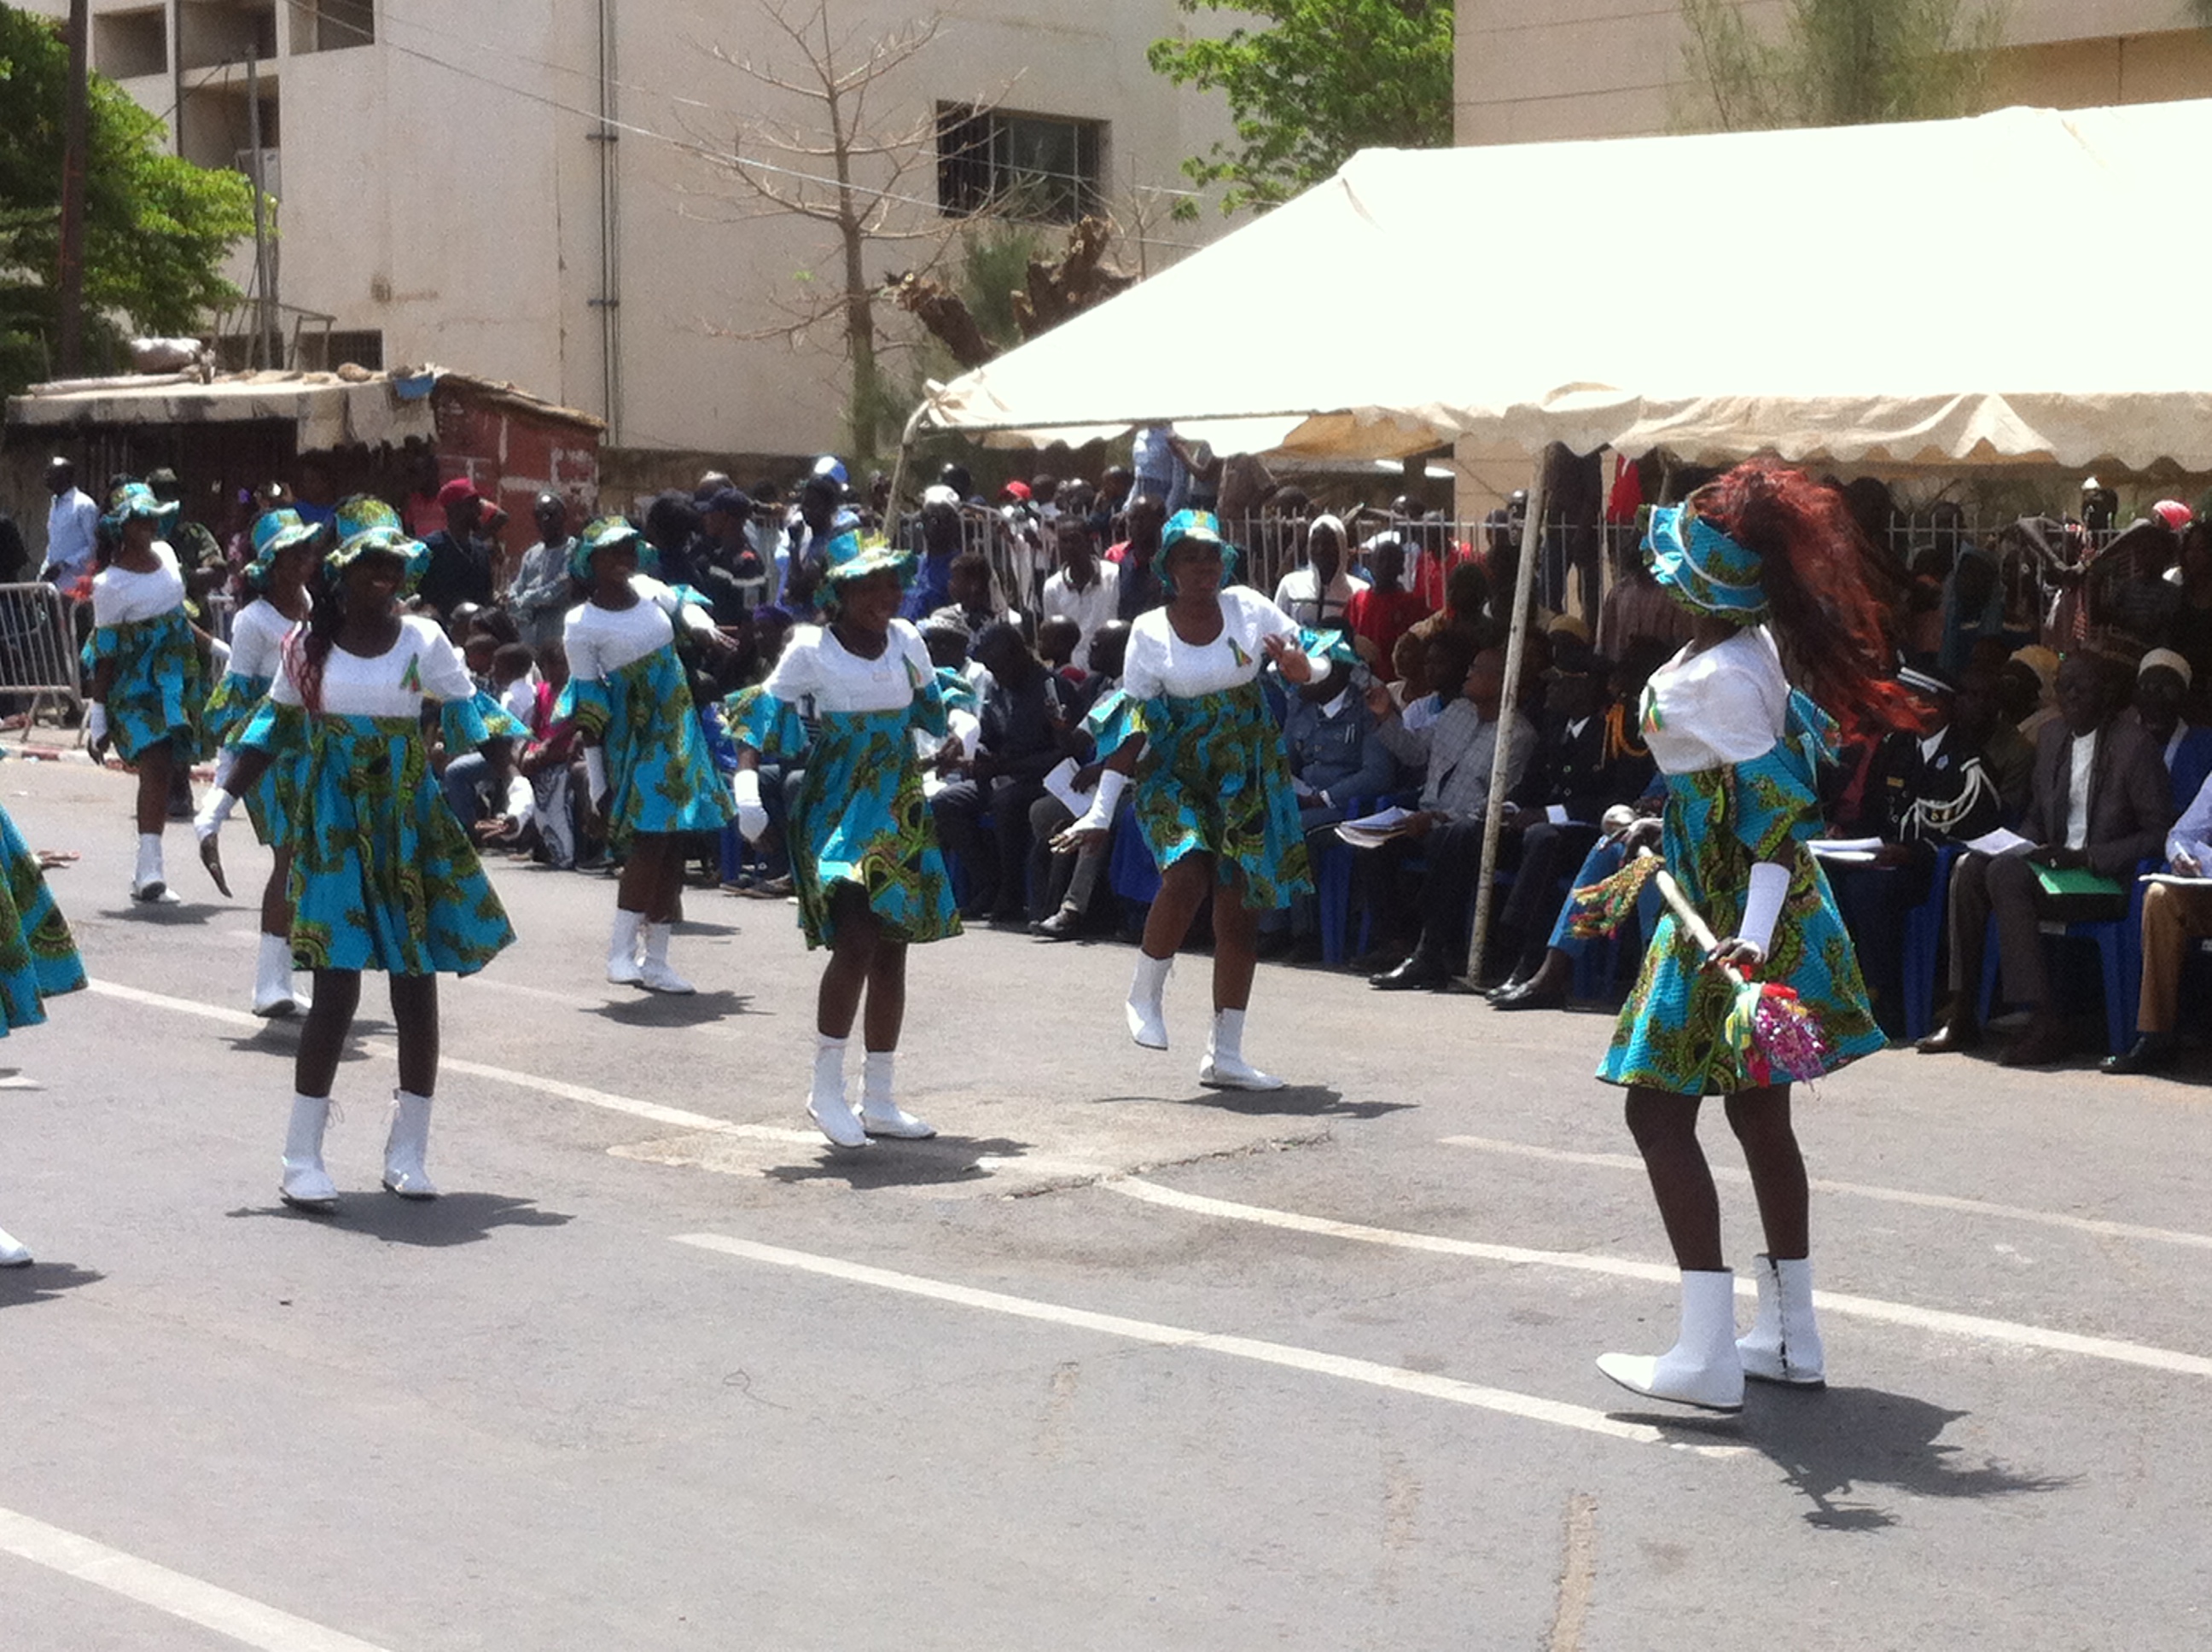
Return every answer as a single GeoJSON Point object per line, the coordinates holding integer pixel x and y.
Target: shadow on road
{"type": "Point", "coordinates": [454, 1219]}
{"type": "Point", "coordinates": [884, 1163]}
{"type": "Point", "coordinates": [43, 1282]}
{"type": "Point", "coordinates": [185, 915]}
{"type": "Point", "coordinates": [660, 1010]}
{"type": "Point", "coordinates": [1831, 1444]}
{"type": "Point", "coordinates": [1294, 1101]}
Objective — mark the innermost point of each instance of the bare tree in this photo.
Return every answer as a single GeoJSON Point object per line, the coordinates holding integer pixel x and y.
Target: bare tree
{"type": "Point", "coordinates": [841, 166]}
{"type": "Point", "coordinates": [1837, 63]}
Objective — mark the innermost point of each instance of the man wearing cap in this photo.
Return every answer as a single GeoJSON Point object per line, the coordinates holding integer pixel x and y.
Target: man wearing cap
{"type": "Point", "coordinates": [723, 559]}
{"type": "Point", "coordinates": [2162, 680]}
{"type": "Point", "coordinates": [459, 569]}
{"type": "Point", "coordinates": [939, 534]}
{"type": "Point", "coordinates": [72, 527]}
{"type": "Point", "coordinates": [542, 593]}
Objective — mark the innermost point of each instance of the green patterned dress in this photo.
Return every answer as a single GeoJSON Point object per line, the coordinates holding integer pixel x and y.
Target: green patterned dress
{"type": "Point", "coordinates": [383, 876]}
{"type": "Point", "coordinates": [859, 816]}
{"type": "Point", "coordinates": [158, 690]}
{"type": "Point", "coordinates": [38, 957]}
{"type": "Point", "coordinates": [1721, 818]}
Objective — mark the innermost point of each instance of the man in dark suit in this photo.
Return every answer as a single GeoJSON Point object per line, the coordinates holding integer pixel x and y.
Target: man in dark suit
{"type": "Point", "coordinates": [2100, 801]}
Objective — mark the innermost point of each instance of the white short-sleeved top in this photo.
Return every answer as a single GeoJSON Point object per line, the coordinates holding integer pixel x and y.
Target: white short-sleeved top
{"type": "Point", "coordinates": [603, 640]}
{"type": "Point", "coordinates": [1722, 704]}
{"type": "Point", "coordinates": [257, 639]}
{"type": "Point", "coordinates": [423, 664]}
{"type": "Point", "coordinates": [121, 597]}
{"type": "Point", "coordinates": [1160, 662]}
{"type": "Point", "coordinates": [815, 664]}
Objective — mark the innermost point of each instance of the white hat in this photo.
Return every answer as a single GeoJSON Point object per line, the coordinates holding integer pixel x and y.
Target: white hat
{"type": "Point", "coordinates": [2172, 662]}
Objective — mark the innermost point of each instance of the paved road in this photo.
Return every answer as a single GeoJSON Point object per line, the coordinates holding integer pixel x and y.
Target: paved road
{"type": "Point", "coordinates": [1115, 1362]}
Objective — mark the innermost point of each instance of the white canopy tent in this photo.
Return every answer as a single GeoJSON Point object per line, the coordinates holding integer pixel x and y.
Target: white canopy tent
{"type": "Point", "coordinates": [2023, 287]}
{"type": "Point", "coordinates": [2026, 287]}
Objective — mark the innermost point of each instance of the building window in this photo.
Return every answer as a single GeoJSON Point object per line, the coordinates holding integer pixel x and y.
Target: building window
{"type": "Point", "coordinates": [127, 44]}
{"type": "Point", "coordinates": [214, 33]}
{"type": "Point", "coordinates": [332, 24]}
{"type": "Point", "coordinates": [1042, 168]}
{"type": "Point", "coordinates": [327, 352]}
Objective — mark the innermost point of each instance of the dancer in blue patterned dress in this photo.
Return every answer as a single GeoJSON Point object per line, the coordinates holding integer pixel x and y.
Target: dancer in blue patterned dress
{"type": "Point", "coordinates": [148, 687]}
{"type": "Point", "coordinates": [38, 959]}
{"type": "Point", "coordinates": [870, 878]}
{"type": "Point", "coordinates": [650, 776]}
{"type": "Point", "coordinates": [1771, 566]}
{"type": "Point", "coordinates": [286, 553]}
{"type": "Point", "coordinates": [1214, 794]}
{"type": "Point", "coordinates": [383, 876]}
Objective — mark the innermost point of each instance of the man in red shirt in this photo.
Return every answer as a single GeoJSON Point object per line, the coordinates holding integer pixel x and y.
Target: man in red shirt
{"type": "Point", "coordinates": [1380, 612]}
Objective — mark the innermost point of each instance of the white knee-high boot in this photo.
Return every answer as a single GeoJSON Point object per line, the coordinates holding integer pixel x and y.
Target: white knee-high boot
{"type": "Point", "coordinates": [1783, 1343]}
{"type": "Point", "coordinates": [655, 975]}
{"type": "Point", "coordinates": [826, 1103]}
{"type": "Point", "coordinates": [150, 881]}
{"type": "Point", "coordinates": [274, 995]}
{"type": "Point", "coordinates": [1224, 1067]}
{"type": "Point", "coordinates": [624, 969]}
{"type": "Point", "coordinates": [1702, 1368]}
{"type": "Point", "coordinates": [307, 1184]}
{"type": "Point", "coordinates": [1147, 1013]}
{"type": "Point", "coordinates": [406, 1146]}
{"type": "Point", "coordinates": [880, 1115]}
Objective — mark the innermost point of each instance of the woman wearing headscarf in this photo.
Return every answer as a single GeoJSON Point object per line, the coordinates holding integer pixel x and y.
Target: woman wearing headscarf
{"type": "Point", "coordinates": [870, 875]}
{"type": "Point", "coordinates": [1212, 787]}
{"type": "Point", "coordinates": [1772, 568]}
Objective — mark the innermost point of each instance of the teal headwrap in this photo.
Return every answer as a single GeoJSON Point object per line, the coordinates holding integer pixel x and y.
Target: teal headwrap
{"type": "Point", "coordinates": [1708, 572]}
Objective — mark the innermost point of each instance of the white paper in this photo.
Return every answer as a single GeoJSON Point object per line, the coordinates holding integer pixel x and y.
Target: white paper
{"type": "Point", "coordinates": [2000, 842]}
{"type": "Point", "coordinates": [2177, 877]}
{"type": "Point", "coordinates": [1832, 846]}
{"type": "Point", "coordinates": [1845, 857]}
{"type": "Point", "coordinates": [1061, 784]}
{"type": "Point", "coordinates": [1381, 821]}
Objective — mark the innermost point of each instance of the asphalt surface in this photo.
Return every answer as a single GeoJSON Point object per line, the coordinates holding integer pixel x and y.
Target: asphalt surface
{"type": "Point", "coordinates": [1114, 1362]}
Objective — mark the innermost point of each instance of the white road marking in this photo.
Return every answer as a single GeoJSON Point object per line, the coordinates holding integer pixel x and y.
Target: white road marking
{"type": "Point", "coordinates": [2102, 1229]}
{"type": "Point", "coordinates": [248, 1622]}
{"type": "Point", "coordinates": [675, 1117]}
{"type": "Point", "coordinates": [1829, 1301]}
{"type": "Point", "coordinates": [1529, 1407]}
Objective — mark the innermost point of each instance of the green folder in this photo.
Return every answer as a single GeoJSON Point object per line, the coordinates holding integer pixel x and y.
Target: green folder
{"type": "Point", "coordinates": [2075, 880]}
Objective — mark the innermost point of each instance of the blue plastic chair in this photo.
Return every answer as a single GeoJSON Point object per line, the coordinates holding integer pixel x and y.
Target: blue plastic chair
{"type": "Point", "coordinates": [1923, 936]}
{"type": "Point", "coordinates": [2119, 954]}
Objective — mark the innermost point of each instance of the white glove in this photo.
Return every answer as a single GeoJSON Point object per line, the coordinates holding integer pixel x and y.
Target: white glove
{"type": "Point", "coordinates": [595, 774]}
{"type": "Point", "coordinates": [1099, 816]}
{"type": "Point", "coordinates": [213, 812]}
{"type": "Point", "coordinates": [1770, 886]}
{"type": "Point", "coordinates": [752, 816]}
{"type": "Point", "coordinates": [95, 723]}
{"type": "Point", "coordinates": [521, 799]}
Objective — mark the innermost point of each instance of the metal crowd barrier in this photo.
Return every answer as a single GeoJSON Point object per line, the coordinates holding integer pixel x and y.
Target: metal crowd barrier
{"type": "Point", "coordinates": [39, 643]}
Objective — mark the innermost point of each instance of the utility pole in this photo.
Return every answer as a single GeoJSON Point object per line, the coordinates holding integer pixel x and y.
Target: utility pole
{"type": "Point", "coordinates": [69, 286]}
{"type": "Point", "coordinates": [264, 344]}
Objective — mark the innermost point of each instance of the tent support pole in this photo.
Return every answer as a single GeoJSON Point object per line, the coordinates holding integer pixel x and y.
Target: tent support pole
{"type": "Point", "coordinates": [898, 466]}
{"type": "Point", "coordinates": [1493, 820]}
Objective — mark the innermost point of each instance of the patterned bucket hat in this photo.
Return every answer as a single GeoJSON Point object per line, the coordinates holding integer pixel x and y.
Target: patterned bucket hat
{"type": "Point", "coordinates": [1195, 527]}
{"type": "Point", "coordinates": [1704, 569]}
{"type": "Point", "coordinates": [367, 524]}
{"type": "Point", "coordinates": [854, 556]}
{"type": "Point", "coordinates": [136, 501]}
{"type": "Point", "coordinates": [275, 532]}
{"type": "Point", "coordinates": [605, 531]}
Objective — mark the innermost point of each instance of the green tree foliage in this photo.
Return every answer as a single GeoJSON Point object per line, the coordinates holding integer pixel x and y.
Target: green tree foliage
{"type": "Point", "coordinates": [1318, 80]}
{"type": "Point", "coordinates": [1840, 62]}
{"type": "Point", "coordinates": [157, 228]}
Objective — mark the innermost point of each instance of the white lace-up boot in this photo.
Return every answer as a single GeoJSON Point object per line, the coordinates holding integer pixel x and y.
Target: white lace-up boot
{"type": "Point", "coordinates": [1783, 1343]}
{"type": "Point", "coordinates": [406, 1147]}
{"type": "Point", "coordinates": [1224, 1067]}
{"type": "Point", "coordinates": [879, 1114]}
{"type": "Point", "coordinates": [655, 975]}
{"type": "Point", "coordinates": [1148, 1021]}
{"type": "Point", "coordinates": [150, 882]}
{"type": "Point", "coordinates": [13, 1252]}
{"type": "Point", "coordinates": [1702, 1368]}
{"type": "Point", "coordinates": [624, 968]}
{"type": "Point", "coordinates": [274, 997]}
{"type": "Point", "coordinates": [307, 1185]}
{"type": "Point", "coordinates": [826, 1104]}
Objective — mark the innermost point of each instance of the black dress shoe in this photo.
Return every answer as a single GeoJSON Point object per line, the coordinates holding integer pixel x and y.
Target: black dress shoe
{"type": "Point", "coordinates": [2150, 1053]}
{"type": "Point", "coordinates": [1511, 984]}
{"type": "Point", "coordinates": [1421, 972]}
{"type": "Point", "coordinates": [1527, 998]}
{"type": "Point", "coordinates": [1951, 1038]}
{"type": "Point", "coordinates": [1061, 926]}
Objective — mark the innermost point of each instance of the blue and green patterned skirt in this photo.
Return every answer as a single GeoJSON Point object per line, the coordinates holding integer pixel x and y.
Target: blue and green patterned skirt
{"type": "Point", "coordinates": [158, 691]}
{"type": "Point", "coordinates": [660, 776]}
{"type": "Point", "coordinates": [38, 958]}
{"type": "Point", "coordinates": [383, 876]}
{"type": "Point", "coordinates": [1718, 822]}
{"type": "Point", "coordinates": [1213, 780]}
{"type": "Point", "coordinates": [230, 710]}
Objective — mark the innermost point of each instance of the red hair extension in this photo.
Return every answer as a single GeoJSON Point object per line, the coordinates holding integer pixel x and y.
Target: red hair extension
{"type": "Point", "coordinates": [1818, 570]}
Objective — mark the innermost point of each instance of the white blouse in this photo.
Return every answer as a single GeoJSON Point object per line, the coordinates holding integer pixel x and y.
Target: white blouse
{"type": "Point", "coordinates": [600, 641]}
{"type": "Point", "coordinates": [257, 639]}
{"type": "Point", "coordinates": [422, 665]}
{"type": "Point", "coordinates": [816, 663]}
{"type": "Point", "coordinates": [1723, 704]}
{"type": "Point", "coordinates": [119, 597]}
{"type": "Point", "coordinates": [1160, 662]}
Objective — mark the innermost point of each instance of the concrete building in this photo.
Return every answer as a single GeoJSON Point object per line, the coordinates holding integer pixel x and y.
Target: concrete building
{"type": "Point", "coordinates": [529, 190]}
{"type": "Point", "coordinates": [1530, 70]}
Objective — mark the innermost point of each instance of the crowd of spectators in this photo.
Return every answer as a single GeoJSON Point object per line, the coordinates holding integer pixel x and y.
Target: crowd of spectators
{"type": "Point", "coordinates": [2064, 663]}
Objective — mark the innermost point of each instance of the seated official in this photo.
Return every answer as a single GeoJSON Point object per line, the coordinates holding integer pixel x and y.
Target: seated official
{"type": "Point", "coordinates": [2175, 916]}
{"type": "Point", "coordinates": [1335, 760]}
{"type": "Point", "coordinates": [2163, 679]}
{"type": "Point", "coordinates": [1447, 831]}
{"type": "Point", "coordinates": [1026, 731]}
{"type": "Point", "coordinates": [1067, 880]}
{"type": "Point", "coordinates": [2100, 801]}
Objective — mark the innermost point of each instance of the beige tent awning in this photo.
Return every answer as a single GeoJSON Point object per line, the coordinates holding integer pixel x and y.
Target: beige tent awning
{"type": "Point", "coordinates": [2026, 287]}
